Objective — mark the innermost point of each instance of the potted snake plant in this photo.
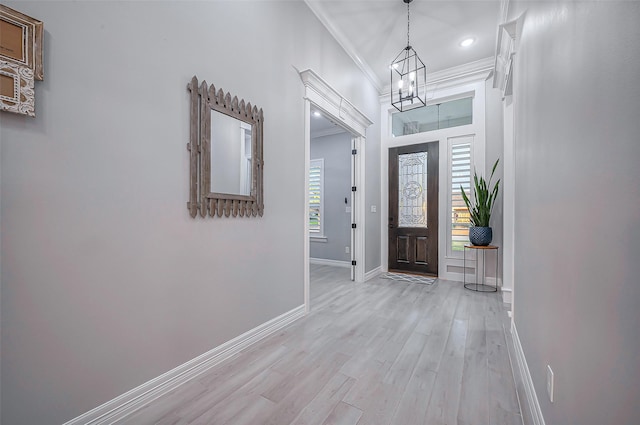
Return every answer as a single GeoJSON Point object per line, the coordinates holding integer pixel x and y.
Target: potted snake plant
{"type": "Point", "coordinates": [484, 196]}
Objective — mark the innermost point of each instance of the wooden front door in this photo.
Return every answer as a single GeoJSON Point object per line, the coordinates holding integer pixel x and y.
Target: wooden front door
{"type": "Point", "coordinates": [413, 208]}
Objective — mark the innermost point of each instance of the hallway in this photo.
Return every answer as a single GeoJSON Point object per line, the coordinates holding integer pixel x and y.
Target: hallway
{"type": "Point", "coordinates": [380, 352]}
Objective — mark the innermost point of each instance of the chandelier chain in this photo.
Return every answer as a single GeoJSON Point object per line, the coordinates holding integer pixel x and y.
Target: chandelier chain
{"type": "Point", "coordinates": [408, 43]}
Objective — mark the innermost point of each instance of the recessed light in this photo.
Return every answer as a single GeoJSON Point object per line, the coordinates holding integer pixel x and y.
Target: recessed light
{"type": "Point", "coordinates": [468, 42]}
{"type": "Point", "coordinates": [317, 114]}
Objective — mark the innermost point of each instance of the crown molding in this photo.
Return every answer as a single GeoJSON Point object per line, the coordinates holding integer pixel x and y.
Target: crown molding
{"type": "Point", "coordinates": [504, 11]}
{"type": "Point", "coordinates": [329, 100]}
{"type": "Point", "coordinates": [467, 73]}
{"type": "Point", "coordinates": [318, 9]}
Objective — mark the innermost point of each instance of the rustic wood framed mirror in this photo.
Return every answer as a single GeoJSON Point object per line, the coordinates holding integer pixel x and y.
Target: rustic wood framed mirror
{"type": "Point", "coordinates": [225, 154]}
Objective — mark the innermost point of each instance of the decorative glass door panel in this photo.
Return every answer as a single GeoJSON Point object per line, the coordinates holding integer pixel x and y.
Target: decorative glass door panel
{"type": "Point", "coordinates": [412, 190]}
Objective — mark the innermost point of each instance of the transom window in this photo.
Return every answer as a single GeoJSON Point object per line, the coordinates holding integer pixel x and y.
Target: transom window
{"type": "Point", "coordinates": [452, 113]}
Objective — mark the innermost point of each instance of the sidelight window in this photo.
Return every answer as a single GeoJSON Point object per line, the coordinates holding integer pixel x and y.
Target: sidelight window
{"type": "Point", "coordinates": [460, 175]}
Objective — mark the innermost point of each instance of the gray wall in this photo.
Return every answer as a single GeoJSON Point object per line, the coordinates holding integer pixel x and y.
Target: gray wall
{"type": "Point", "coordinates": [494, 150]}
{"type": "Point", "coordinates": [372, 191]}
{"type": "Point", "coordinates": [336, 152]}
{"type": "Point", "coordinates": [577, 207]}
{"type": "Point", "coordinates": [106, 280]}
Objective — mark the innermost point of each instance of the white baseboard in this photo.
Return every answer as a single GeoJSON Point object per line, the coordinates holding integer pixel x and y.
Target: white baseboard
{"type": "Point", "coordinates": [372, 273]}
{"type": "Point", "coordinates": [491, 280]}
{"type": "Point", "coordinates": [507, 295]}
{"type": "Point", "coordinates": [324, 262]}
{"type": "Point", "coordinates": [118, 408]}
{"type": "Point", "coordinates": [529, 389]}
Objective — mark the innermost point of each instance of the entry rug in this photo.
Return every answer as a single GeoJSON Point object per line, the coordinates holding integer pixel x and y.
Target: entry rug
{"type": "Point", "coordinates": [412, 278]}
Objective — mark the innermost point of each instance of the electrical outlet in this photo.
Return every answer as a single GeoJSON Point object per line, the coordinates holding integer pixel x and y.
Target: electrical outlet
{"type": "Point", "coordinates": [346, 249]}
{"type": "Point", "coordinates": [347, 209]}
{"type": "Point", "coordinates": [550, 383]}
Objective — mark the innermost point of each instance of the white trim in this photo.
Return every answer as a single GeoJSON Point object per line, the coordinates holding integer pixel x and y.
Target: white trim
{"type": "Point", "coordinates": [467, 73]}
{"type": "Point", "coordinates": [529, 388]}
{"type": "Point", "coordinates": [359, 210]}
{"type": "Point", "coordinates": [318, 9]}
{"type": "Point", "coordinates": [476, 130]}
{"type": "Point", "coordinates": [504, 11]}
{"type": "Point", "coordinates": [491, 280]}
{"type": "Point", "coordinates": [327, 262]}
{"type": "Point", "coordinates": [122, 406]}
{"type": "Point", "coordinates": [372, 273]}
{"type": "Point", "coordinates": [330, 101]}
{"type": "Point", "coordinates": [507, 295]}
{"type": "Point", "coordinates": [505, 50]}
{"type": "Point", "coordinates": [339, 110]}
{"type": "Point", "coordinates": [306, 244]}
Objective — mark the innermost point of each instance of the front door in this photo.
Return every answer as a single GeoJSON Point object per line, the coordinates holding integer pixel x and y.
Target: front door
{"type": "Point", "coordinates": [413, 208]}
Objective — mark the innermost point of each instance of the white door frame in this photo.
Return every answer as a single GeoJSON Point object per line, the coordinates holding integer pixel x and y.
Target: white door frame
{"type": "Point", "coordinates": [472, 85]}
{"type": "Point", "coordinates": [335, 107]}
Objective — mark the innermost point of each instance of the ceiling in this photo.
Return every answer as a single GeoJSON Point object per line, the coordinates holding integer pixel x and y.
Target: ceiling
{"type": "Point", "coordinates": [374, 32]}
{"type": "Point", "coordinates": [322, 126]}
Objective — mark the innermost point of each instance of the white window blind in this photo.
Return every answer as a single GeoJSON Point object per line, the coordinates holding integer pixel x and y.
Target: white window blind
{"type": "Point", "coordinates": [460, 176]}
{"type": "Point", "coordinates": [316, 183]}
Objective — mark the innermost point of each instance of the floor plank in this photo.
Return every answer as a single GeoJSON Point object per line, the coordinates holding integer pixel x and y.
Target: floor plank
{"type": "Point", "coordinates": [381, 352]}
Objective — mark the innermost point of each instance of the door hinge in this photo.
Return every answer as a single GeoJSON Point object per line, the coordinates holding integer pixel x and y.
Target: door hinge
{"type": "Point", "coordinates": [353, 225]}
{"type": "Point", "coordinates": [353, 262]}
{"type": "Point", "coordinates": [353, 188]}
{"type": "Point", "coordinates": [354, 151]}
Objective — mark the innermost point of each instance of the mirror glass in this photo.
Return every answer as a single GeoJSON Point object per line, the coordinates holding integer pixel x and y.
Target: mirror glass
{"type": "Point", "coordinates": [230, 155]}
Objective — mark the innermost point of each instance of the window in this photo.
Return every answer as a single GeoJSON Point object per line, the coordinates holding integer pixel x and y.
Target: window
{"type": "Point", "coordinates": [460, 173]}
{"type": "Point", "coordinates": [316, 204]}
{"type": "Point", "coordinates": [245, 158]}
{"type": "Point", "coordinates": [433, 117]}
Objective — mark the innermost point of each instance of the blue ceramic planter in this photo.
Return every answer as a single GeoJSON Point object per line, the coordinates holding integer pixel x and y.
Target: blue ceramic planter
{"type": "Point", "coordinates": [480, 236]}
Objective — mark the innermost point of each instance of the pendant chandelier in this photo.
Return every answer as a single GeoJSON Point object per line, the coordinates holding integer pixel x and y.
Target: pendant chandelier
{"type": "Point", "coordinates": [408, 77]}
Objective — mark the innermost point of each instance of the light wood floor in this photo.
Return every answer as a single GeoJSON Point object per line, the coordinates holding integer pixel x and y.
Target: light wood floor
{"type": "Point", "coordinates": [380, 352]}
